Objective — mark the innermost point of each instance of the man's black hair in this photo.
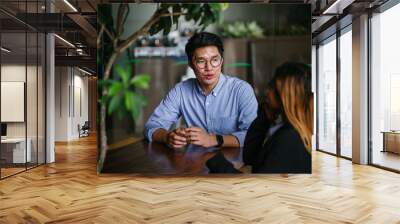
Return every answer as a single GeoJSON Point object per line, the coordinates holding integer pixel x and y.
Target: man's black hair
{"type": "Point", "coordinates": [203, 39]}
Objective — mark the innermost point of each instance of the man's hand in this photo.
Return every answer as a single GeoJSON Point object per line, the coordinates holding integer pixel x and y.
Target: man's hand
{"type": "Point", "coordinates": [198, 136]}
{"type": "Point", "coordinates": [177, 138]}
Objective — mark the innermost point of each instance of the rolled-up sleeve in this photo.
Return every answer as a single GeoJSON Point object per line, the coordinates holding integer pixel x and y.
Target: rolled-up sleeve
{"type": "Point", "coordinates": [166, 114]}
{"type": "Point", "coordinates": [247, 111]}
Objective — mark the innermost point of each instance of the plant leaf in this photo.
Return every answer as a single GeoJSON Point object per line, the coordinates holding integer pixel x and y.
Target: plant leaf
{"type": "Point", "coordinates": [136, 106]}
{"type": "Point", "coordinates": [138, 101]}
{"type": "Point", "coordinates": [114, 103]}
{"type": "Point", "coordinates": [115, 88]}
{"type": "Point", "coordinates": [141, 81]}
{"type": "Point", "coordinates": [124, 74]}
{"type": "Point", "coordinates": [216, 6]}
{"type": "Point", "coordinates": [128, 100]}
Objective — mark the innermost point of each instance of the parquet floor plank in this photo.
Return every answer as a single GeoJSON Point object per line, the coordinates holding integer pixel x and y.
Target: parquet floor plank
{"type": "Point", "coordinates": [70, 191]}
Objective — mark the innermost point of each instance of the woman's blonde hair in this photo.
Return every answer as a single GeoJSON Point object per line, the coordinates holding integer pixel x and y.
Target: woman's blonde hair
{"type": "Point", "coordinates": [293, 89]}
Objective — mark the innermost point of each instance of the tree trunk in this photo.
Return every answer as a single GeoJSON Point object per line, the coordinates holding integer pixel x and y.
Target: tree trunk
{"type": "Point", "coordinates": [103, 138]}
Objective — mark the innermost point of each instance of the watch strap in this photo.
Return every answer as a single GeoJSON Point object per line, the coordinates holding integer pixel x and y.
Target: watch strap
{"type": "Point", "coordinates": [220, 140]}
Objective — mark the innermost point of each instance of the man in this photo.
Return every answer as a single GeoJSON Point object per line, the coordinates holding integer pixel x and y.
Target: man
{"type": "Point", "coordinates": [217, 109]}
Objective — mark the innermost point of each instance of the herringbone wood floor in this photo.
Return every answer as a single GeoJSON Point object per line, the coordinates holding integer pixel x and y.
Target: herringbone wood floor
{"type": "Point", "coordinates": [70, 191]}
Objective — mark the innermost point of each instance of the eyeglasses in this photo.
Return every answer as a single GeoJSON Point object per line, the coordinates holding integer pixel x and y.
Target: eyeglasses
{"type": "Point", "coordinates": [201, 62]}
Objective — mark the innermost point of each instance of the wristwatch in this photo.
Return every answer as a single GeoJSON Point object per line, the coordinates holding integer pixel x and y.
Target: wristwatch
{"type": "Point", "coordinates": [220, 140]}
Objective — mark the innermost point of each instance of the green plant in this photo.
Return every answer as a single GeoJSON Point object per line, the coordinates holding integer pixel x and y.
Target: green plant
{"type": "Point", "coordinates": [240, 29]}
{"type": "Point", "coordinates": [123, 91]}
{"type": "Point", "coordinates": [115, 91]}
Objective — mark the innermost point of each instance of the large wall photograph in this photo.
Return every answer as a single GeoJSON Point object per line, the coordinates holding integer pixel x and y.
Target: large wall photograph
{"type": "Point", "coordinates": [195, 89]}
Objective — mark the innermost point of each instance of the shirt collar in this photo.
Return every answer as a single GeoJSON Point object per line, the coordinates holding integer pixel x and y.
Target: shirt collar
{"type": "Point", "coordinates": [219, 85]}
{"type": "Point", "coordinates": [217, 88]}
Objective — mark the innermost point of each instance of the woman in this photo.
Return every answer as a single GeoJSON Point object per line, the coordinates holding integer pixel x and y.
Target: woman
{"type": "Point", "coordinates": [279, 139]}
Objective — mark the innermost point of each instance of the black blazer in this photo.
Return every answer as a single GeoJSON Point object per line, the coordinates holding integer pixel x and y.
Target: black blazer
{"type": "Point", "coordinates": [284, 151]}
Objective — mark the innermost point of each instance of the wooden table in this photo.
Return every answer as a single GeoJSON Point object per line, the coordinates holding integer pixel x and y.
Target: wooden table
{"type": "Point", "coordinates": [155, 158]}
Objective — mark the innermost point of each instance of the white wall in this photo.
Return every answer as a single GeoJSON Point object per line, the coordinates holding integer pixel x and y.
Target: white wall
{"type": "Point", "coordinates": [61, 103]}
{"type": "Point", "coordinates": [80, 94]}
{"type": "Point", "coordinates": [71, 93]}
{"type": "Point", "coordinates": [16, 73]}
{"type": "Point", "coordinates": [12, 100]}
{"type": "Point", "coordinates": [33, 126]}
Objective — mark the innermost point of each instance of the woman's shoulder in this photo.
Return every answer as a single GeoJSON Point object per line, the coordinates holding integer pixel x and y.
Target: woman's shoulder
{"type": "Point", "coordinates": [287, 135]}
{"type": "Point", "coordinates": [286, 153]}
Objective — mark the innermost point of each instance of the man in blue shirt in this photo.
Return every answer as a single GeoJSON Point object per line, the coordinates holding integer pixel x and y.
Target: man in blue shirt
{"type": "Point", "coordinates": [217, 109]}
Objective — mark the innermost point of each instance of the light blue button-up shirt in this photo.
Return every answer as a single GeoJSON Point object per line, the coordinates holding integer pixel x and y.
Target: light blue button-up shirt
{"type": "Point", "coordinates": [229, 109]}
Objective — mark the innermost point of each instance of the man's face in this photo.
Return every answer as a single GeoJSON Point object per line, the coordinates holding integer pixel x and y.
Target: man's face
{"type": "Point", "coordinates": [206, 64]}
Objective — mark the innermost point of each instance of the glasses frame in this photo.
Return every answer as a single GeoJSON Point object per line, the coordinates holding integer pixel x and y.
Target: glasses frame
{"type": "Point", "coordinates": [195, 62]}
